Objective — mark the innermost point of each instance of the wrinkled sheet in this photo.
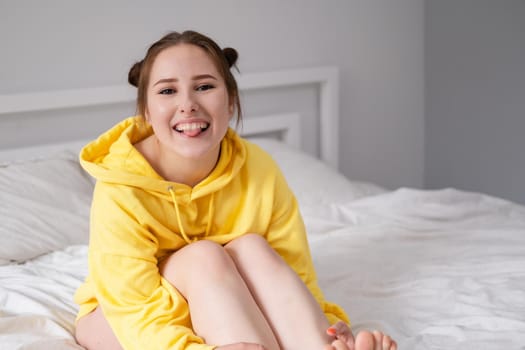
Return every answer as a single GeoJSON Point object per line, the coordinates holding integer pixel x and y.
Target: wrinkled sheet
{"type": "Point", "coordinates": [440, 269]}
{"type": "Point", "coordinates": [436, 269]}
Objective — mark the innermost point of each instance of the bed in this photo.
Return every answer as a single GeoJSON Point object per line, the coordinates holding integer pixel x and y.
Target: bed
{"type": "Point", "coordinates": [435, 269]}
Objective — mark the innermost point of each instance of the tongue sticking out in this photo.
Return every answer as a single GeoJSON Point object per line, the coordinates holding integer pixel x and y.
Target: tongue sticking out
{"type": "Point", "coordinates": [191, 129]}
{"type": "Point", "coordinates": [192, 132]}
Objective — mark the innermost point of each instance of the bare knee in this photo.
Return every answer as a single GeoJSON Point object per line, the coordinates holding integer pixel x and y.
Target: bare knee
{"type": "Point", "coordinates": [205, 259]}
{"type": "Point", "coordinates": [248, 242]}
{"type": "Point", "coordinates": [253, 248]}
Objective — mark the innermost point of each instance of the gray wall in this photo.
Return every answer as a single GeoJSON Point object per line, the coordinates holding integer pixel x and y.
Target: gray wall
{"type": "Point", "coordinates": [462, 128]}
{"type": "Point", "coordinates": [475, 96]}
{"type": "Point", "coordinates": [377, 45]}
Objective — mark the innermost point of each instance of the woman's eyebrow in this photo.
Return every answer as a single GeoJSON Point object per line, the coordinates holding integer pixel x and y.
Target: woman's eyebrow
{"type": "Point", "coordinates": [167, 80]}
{"type": "Point", "coordinates": [204, 76]}
{"type": "Point", "coordinates": [174, 80]}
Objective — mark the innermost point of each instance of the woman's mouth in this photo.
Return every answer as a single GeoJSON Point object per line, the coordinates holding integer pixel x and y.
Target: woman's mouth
{"type": "Point", "coordinates": [192, 128]}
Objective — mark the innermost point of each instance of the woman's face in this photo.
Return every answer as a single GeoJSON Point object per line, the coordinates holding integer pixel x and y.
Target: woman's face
{"type": "Point", "coordinates": [188, 104]}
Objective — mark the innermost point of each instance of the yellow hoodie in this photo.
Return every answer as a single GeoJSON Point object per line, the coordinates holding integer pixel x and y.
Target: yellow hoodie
{"type": "Point", "coordinates": [138, 218]}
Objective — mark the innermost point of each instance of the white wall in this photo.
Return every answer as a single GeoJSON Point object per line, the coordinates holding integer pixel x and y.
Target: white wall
{"type": "Point", "coordinates": [377, 44]}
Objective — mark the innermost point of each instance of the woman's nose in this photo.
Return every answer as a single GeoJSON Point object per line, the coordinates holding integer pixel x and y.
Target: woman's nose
{"type": "Point", "coordinates": [188, 104]}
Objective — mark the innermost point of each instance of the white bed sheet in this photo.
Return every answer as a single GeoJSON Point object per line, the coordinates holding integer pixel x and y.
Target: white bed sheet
{"type": "Point", "coordinates": [435, 269]}
{"type": "Point", "coordinates": [36, 306]}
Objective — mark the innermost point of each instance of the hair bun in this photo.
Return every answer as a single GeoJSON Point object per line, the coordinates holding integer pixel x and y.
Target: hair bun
{"type": "Point", "coordinates": [134, 74]}
{"type": "Point", "coordinates": [231, 55]}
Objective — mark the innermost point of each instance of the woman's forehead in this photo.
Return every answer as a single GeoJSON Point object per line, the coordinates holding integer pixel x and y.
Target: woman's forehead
{"type": "Point", "coordinates": [184, 61]}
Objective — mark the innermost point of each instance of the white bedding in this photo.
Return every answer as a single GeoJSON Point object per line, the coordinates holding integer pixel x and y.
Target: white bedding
{"type": "Point", "coordinates": [435, 269]}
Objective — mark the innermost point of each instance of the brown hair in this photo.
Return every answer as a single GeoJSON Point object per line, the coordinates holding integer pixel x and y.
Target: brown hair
{"type": "Point", "coordinates": [224, 59]}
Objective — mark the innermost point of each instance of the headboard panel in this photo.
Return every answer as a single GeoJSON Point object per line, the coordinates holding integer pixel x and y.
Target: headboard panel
{"type": "Point", "coordinates": [46, 105]}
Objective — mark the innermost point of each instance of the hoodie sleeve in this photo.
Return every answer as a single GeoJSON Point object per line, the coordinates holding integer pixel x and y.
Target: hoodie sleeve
{"type": "Point", "coordinates": [144, 310]}
{"type": "Point", "coordinates": [287, 235]}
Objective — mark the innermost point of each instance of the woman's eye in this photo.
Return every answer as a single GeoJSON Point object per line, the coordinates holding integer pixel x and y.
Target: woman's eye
{"type": "Point", "coordinates": [204, 87]}
{"type": "Point", "coordinates": [167, 91]}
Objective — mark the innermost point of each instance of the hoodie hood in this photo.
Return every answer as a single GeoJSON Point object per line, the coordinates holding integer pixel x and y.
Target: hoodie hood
{"type": "Point", "coordinates": [112, 158]}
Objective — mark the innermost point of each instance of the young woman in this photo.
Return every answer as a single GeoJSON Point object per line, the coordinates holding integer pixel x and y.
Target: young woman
{"type": "Point", "coordinates": [196, 241]}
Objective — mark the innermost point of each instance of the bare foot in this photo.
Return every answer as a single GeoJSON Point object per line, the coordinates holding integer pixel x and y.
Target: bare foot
{"type": "Point", "coordinates": [374, 341]}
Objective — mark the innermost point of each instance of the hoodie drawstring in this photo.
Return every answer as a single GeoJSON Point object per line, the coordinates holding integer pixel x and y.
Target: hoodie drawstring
{"type": "Point", "coordinates": [211, 212]}
{"type": "Point", "coordinates": [179, 219]}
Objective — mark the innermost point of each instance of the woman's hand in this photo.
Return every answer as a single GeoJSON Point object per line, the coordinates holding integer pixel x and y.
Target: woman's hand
{"type": "Point", "coordinates": [241, 346]}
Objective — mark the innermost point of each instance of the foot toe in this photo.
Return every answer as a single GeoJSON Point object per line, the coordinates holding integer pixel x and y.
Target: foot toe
{"type": "Point", "coordinates": [364, 341]}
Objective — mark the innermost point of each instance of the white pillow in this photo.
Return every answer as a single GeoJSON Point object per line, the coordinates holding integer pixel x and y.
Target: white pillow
{"type": "Point", "coordinates": [45, 206]}
{"type": "Point", "coordinates": [312, 180]}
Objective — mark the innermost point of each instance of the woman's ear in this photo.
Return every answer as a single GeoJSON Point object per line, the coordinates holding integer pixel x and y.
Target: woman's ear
{"type": "Point", "coordinates": [147, 117]}
{"type": "Point", "coordinates": [231, 109]}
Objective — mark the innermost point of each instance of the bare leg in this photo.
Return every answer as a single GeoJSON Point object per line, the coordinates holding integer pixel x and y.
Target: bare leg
{"type": "Point", "coordinates": [295, 316]}
{"type": "Point", "coordinates": [222, 308]}
{"type": "Point", "coordinates": [94, 333]}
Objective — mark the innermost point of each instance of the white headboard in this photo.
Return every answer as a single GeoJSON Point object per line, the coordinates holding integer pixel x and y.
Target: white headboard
{"type": "Point", "coordinates": [286, 124]}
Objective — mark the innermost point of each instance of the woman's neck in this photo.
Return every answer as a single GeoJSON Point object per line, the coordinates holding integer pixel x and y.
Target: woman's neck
{"type": "Point", "coordinates": [174, 168]}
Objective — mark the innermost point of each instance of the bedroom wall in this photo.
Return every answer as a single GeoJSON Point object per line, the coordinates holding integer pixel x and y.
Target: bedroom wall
{"type": "Point", "coordinates": [475, 96]}
{"type": "Point", "coordinates": [378, 46]}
